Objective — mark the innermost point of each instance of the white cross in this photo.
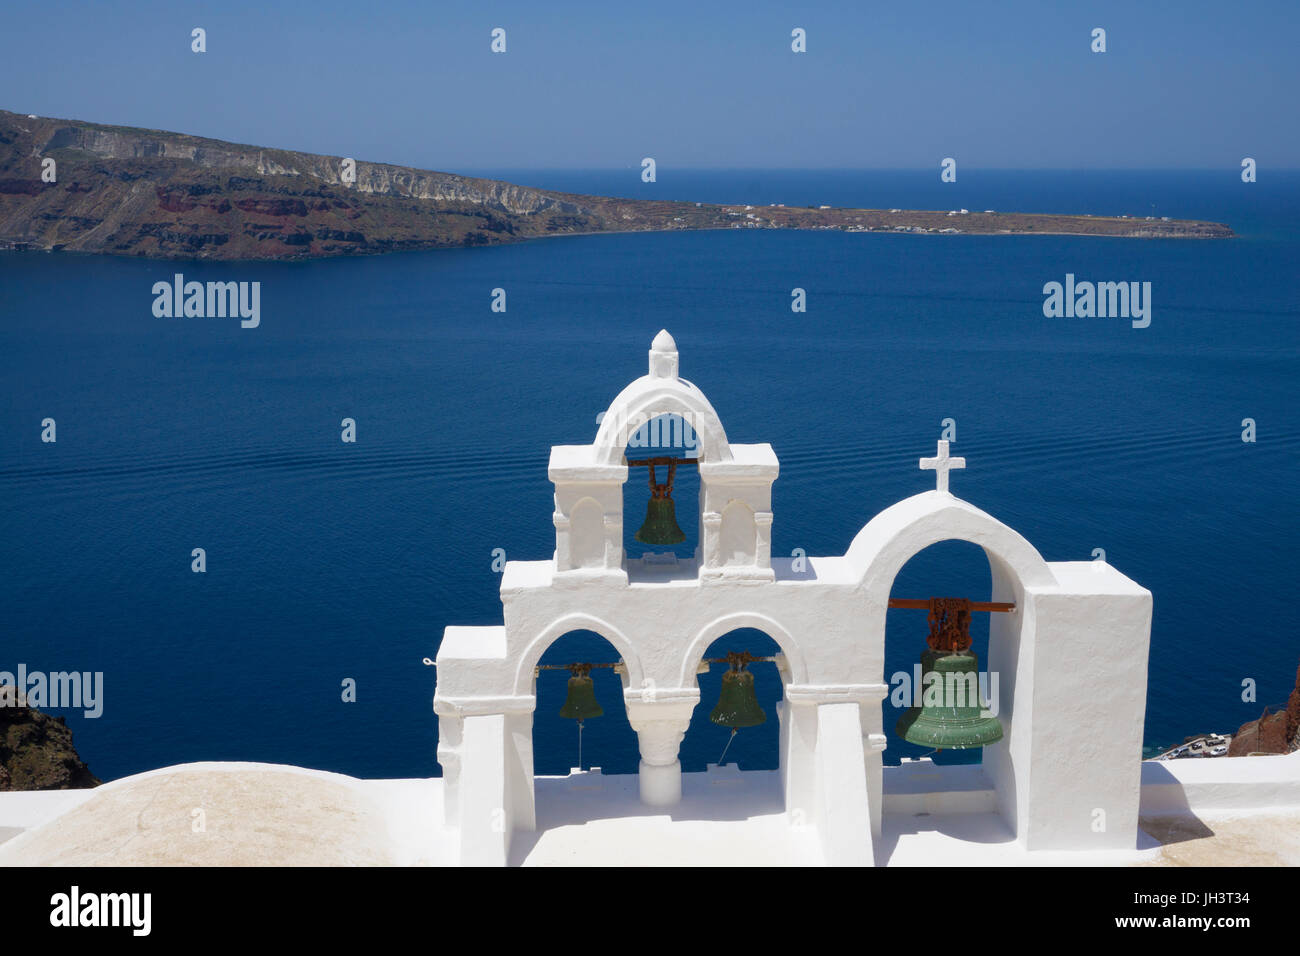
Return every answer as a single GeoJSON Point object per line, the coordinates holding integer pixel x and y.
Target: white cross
{"type": "Point", "coordinates": [940, 465]}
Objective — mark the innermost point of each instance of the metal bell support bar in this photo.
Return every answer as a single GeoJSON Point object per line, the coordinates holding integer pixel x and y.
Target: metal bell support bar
{"type": "Point", "coordinates": [744, 656]}
{"type": "Point", "coordinates": [952, 724]}
{"type": "Point", "coordinates": [958, 628]}
{"type": "Point", "coordinates": [662, 460]}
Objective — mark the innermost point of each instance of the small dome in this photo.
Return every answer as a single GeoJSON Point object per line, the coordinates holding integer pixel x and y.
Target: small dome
{"type": "Point", "coordinates": [663, 342]}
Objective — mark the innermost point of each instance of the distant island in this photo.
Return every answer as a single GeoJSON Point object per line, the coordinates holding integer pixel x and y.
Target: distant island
{"type": "Point", "coordinates": [120, 190]}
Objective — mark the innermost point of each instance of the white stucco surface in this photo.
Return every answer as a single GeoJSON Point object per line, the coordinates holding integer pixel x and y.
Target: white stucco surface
{"type": "Point", "coordinates": [1220, 785]}
{"type": "Point", "coordinates": [262, 814]}
{"type": "Point", "coordinates": [251, 814]}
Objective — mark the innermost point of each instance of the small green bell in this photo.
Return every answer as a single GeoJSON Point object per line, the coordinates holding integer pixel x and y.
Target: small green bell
{"type": "Point", "coordinates": [660, 526]}
{"type": "Point", "coordinates": [958, 722]}
{"type": "Point", "coordinates": [737, 703]}
{"type": "Point", "coordinates": [581, 701]}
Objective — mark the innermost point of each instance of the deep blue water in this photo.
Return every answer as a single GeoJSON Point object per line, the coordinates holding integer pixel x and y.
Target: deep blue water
{"type": "Point", "coordinates": [329, 561]}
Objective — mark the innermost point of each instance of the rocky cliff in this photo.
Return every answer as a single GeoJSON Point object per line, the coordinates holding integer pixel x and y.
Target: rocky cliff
{"type": "Point", "coordinates": [127, 191]}
{"type": "Point", "coordinates": [36, 751]}
{"type": "Point", "coordinates": [1272, 733]}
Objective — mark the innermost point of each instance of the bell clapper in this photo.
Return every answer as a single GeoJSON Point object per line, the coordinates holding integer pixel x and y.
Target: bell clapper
{"type": "Point", "coordinates": [723, 755]}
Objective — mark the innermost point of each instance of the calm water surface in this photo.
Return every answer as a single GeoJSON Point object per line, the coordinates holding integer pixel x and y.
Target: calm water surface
{"type": "Point", "coordinates": [328, 561]}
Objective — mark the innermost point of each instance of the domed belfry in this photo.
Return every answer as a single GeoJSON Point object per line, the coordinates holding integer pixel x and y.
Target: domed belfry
{"type": "Point", "coordinates": [1054, 762]}
{"type": "Point", "coordinates": [735, 503]}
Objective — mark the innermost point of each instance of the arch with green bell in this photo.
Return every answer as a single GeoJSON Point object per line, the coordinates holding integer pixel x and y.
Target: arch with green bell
{"type": "Point", "coordinates": [740, 707]}
{"type": "Point", "coordinates": [665, 447]}
{"type": "Point", "coordinates": [578, 679]}
{"type": "Point", "coordinates": [941, 706]}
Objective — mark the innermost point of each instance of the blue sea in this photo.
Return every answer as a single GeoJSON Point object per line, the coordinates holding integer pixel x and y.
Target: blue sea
{"type": "Point", "coordinates": [329, 562]}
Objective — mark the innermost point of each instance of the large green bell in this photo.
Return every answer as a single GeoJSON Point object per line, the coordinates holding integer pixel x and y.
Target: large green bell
{"type": "Point", "coordinates": [581, 701]}
{"type": "Point", "coordinates": [957, 721]}
{"type": "Point", "coordinates": [737, 703]}
{"type": "Point", "coordinates": [660, 525]}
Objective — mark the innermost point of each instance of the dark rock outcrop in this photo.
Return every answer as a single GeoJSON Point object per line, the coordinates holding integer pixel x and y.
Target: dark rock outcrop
{"type": "Point", "coordinates": [1272, 733]}
{"type": "Point", "coordinates": [1293, 714]}
{"type": "Point", "coordinates": [36, 751]}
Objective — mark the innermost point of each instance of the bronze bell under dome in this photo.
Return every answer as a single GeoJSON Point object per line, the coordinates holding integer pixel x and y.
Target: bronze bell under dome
{"type": "Point", "coordinates": [660, 525]}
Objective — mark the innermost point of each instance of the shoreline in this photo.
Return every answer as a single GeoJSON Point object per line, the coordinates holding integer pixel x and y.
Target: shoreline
{"type": "Point", "coordinates": [16, 247]}
{"type": "Point", "coordinates": [183, 198]}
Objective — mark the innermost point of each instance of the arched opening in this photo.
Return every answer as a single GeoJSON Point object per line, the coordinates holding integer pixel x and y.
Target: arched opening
{"type": "Point", "coordinates": [608, 741]}
{"type": "Point", "coordinates": [753, 748]}
{"type": "Point", "coordinates": [668, 436]}
{"type": "Point", "coordinates": [881, 551]}
{"type": "Point", "coordinates": [952, 568]}
{"type": "Point", "coordinates": [642, 401]}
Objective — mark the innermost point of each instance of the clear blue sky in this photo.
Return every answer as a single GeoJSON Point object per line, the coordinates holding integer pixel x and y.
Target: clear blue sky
{"type": "Point", "coordinates": [694, 84]}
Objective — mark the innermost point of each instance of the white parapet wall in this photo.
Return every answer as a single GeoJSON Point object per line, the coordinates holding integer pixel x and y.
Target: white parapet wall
{"type": "Point", "coordinates": [1221, 784]}
{"type": "Point", "coordinates": [1192, 786]}
{"type": "Point", "coordinates": [266, 814]}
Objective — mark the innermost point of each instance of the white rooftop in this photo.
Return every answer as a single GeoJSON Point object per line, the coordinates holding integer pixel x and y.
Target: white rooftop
{"type": "Point", "coordinates": [1243, 811]}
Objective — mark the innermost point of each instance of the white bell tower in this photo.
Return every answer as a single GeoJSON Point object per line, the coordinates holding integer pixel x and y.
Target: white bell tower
{"type": "Point", "coordinates": [1071, 652]}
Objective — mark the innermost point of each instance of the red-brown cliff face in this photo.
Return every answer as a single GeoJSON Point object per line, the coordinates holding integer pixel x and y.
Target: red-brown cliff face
{"type": "Point", "coordinates": [138, 192]}
{"type": "Point", "coordinates": [1276, 733]}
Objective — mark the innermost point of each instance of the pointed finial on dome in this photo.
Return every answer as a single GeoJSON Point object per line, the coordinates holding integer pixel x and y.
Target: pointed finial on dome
{"type": "Point", "coordinates": [663, 356]}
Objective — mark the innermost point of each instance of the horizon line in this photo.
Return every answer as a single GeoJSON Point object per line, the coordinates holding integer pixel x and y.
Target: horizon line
{"type": "Point", "coordinates": [874, 169]}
